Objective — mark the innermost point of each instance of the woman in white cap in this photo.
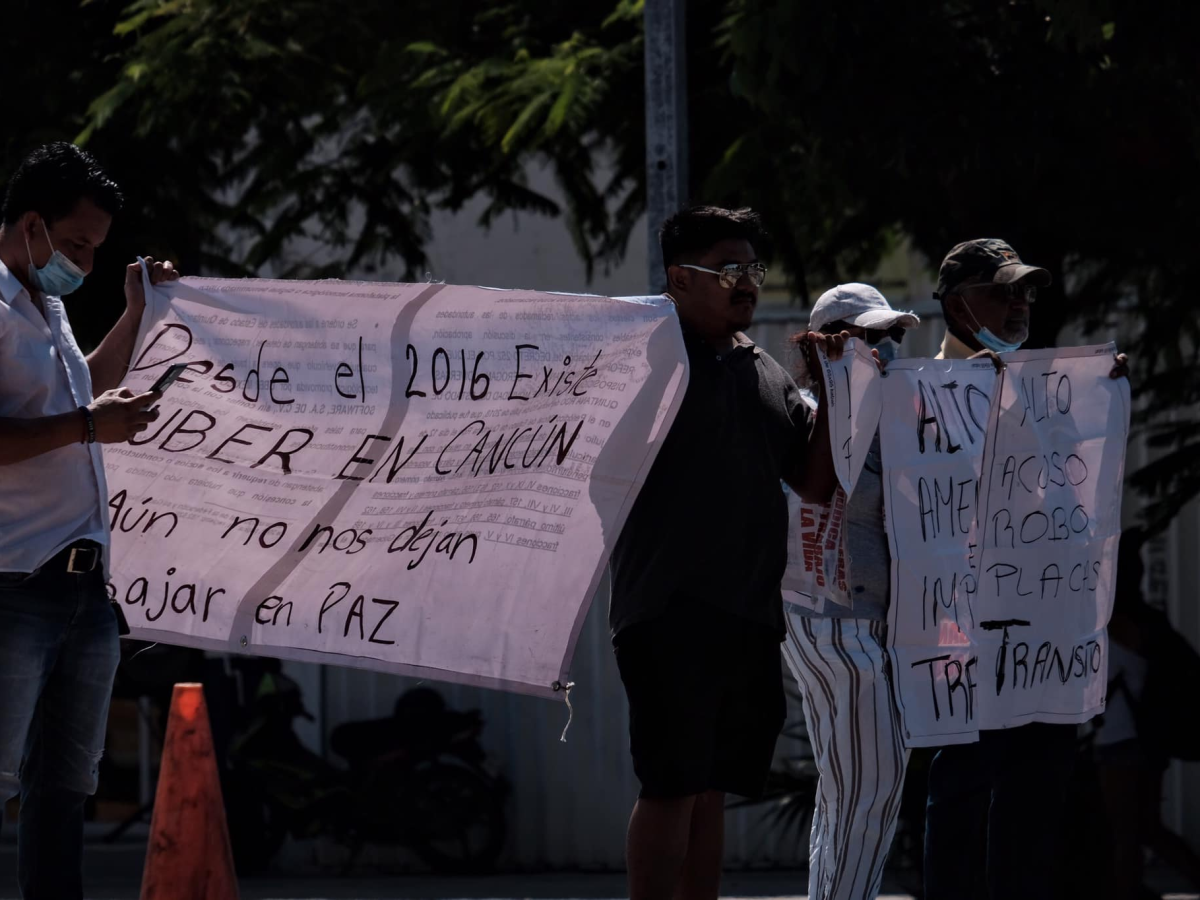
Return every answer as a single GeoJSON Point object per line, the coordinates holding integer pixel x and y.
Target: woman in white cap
{"type": "Point", "coordinates": [838, 655]}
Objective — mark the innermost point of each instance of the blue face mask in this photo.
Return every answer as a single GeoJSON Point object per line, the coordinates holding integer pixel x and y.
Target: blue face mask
{"type": "Point", "coordinates": [59, 276]}
{"type": "Point", "coordinates": [886, 349]}
{"type": "Point", "coordinates": [989, 340]}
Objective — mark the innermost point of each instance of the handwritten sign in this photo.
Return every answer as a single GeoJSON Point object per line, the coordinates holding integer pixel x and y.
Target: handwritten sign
{"type": "Point", "coordinates": [852, 389]}
{"type": "Point", "coordinates": [932, 437]}
{"type": "Point", "coordinates": [817, 557]}
{"type": "Point", "coordinates": [422, 479]}
{"type": "Point", "coordinates": [1050, 522]}
{"type": "Point", "coordinates": [996, 621]}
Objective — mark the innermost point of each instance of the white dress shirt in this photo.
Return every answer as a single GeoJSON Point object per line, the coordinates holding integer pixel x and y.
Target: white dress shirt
{"type": "Point", "coordinates": [49, 501]}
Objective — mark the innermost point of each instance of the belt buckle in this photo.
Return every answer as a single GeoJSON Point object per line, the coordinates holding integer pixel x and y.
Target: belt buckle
{"type": "Point", "coordinates": [86, 553]}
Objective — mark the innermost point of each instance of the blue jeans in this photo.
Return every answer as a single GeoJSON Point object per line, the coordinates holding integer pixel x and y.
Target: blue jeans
{"type": "Point", "coordinates": [1008, 790]}
{"type": "Point", "coordinates": [58, 654]}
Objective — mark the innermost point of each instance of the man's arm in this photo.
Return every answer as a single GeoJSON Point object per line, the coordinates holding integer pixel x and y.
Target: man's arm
{"type": "Point", "coordinates": [22, 439]}
{"type": "Point", "coordinates": [109, 362]}
{"type": "Point", "coordinates": [117, 416]}
{"type": "Point", "coordinates": [812, 474]}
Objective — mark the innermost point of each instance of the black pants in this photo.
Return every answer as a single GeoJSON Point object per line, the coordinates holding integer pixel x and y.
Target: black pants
{"type": "Point", "coordinates": [1013, 783]}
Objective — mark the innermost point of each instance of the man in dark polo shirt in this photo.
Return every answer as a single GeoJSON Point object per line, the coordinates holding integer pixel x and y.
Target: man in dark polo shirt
{"type": "Point", "coordinates": [696, 613]}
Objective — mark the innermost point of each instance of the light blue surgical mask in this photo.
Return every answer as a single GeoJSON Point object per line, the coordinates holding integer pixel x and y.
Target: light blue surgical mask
{"type": "Point", "coordinates": [991, 341]}
{"type": "Point", "coordinates": [886, 349]}
{"type": "Point", "coordinates": [59, 276]}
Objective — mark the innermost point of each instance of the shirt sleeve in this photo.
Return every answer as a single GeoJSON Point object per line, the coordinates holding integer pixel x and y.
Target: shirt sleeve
{"type": "Point", "coordinates": [801, 405]}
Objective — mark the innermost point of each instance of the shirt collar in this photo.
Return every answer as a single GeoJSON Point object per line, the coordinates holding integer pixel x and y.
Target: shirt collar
{"type": "Point", "coordinates": [743, 341]}
{"type": "Point", "coordinates": [953, 348]}
{"type": "Point", "coordinates": [10, 287]}
{"type": "Point", "coordinates": [697, 344]}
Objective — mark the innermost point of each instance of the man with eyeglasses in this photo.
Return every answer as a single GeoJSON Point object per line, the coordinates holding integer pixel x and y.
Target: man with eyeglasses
{"type": "Point", "coordinates": [1009, 788]}
{"type": "Point", "coordinates": [839, 654]}
{"type": "Point", "coordinates": [986, 294]}
{"type": "Point", "coordinates": [696, 610]}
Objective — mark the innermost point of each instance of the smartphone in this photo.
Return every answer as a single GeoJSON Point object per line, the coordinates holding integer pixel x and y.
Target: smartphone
{"type": "Point", "coordinates": [168, 377]}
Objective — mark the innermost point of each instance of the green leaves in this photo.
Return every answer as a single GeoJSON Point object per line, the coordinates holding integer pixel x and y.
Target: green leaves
{"type": "Point", "coordinates": [309, 137]}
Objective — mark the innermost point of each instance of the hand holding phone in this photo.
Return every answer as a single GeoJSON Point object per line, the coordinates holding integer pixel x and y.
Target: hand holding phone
{"type": "Point", "coordinates": [168, 377]}
{"type": "Point", "coordinates": [166, 380]}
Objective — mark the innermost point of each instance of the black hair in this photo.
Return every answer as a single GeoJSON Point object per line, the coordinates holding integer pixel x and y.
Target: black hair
{"type": "Point", "coordinates": [690, 232]}
{"type": "Point", "coordinates": [53, 179]}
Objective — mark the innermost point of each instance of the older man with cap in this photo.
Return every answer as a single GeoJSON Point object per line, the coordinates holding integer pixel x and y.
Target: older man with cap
{"type": "Point", "coordinates": [986, 293]}
{"type": "Point", "coordinates": [1010, 785]}
{"type": "Point", "coordinates": [838, 655]}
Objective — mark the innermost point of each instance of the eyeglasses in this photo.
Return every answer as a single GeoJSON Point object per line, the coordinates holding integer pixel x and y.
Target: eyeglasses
{"type": "Point", "coordinates": [731, 274]}
{"type": "Point", "coordinates": [873, 335]}
{"type": "Point", "coordinates": [1011, 292]}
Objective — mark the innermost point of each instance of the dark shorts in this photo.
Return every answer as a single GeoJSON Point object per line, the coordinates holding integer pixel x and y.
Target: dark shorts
{"type": "Point", "coordinates": [706, 701]}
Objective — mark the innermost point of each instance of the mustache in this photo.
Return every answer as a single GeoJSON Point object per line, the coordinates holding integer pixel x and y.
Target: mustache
{"type": "Point", "coordinates": [739, 296]}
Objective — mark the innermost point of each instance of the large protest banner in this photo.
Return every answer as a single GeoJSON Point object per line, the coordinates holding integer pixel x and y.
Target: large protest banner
{"type": "Point", "coordinates": [423, 479]}
{"type": "Point", "coordinates": [817, 559]}
{"type": "Point", "coordinates": [996, 620]}
{"type": "Point", "coordinates": [1050, 520]}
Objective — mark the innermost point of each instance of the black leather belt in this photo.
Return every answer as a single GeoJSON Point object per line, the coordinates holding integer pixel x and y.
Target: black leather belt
{"type": "Point", "coordinates": [79, 558]}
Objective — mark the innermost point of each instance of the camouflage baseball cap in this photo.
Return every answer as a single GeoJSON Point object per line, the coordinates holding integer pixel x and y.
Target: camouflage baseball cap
{"type": "Point", "coordinates": [990, 259]}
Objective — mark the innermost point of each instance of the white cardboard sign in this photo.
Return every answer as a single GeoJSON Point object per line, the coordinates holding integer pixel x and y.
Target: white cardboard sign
{"type": "Point", "coordinates": [996, 621]}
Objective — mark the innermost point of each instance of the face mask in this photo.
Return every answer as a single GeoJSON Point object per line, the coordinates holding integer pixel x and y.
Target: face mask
{"type": "Point", "coordinates": [59, 276]}
{"type": "Point", "coordinates": [989, 340]}
{"type": "Point", "coordinates": [886, 349]}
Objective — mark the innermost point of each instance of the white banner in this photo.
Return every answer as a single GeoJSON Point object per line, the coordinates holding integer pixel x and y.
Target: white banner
{"type": "Point", "coordinates": [932, 433]}
{"type": "Point", "coordinates": [422, 479]}
{"type": "Point", "coordinates": [1050, 522]}
{"type": "Point", "coordinates": [996, 621]}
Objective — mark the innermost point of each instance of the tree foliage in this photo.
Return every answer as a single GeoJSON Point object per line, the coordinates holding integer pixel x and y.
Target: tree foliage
{"type": "Point", "coordinates": [314, 138]}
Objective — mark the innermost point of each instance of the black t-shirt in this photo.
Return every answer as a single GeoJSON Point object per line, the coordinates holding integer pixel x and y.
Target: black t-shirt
{"type": "Point", "coordinates": [710, 524]}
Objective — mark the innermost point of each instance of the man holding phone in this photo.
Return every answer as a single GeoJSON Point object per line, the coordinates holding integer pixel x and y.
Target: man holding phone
{"type": "Point", "coordinates": [58, 631]}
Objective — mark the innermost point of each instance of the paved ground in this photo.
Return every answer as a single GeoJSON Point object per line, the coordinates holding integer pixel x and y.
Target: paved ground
{"type": "Point", "coordinates": [574, 886]}
{"type": "Point", "coordinates": [562, 886]}
{"type": "Point", "coordinates": [114, 874]}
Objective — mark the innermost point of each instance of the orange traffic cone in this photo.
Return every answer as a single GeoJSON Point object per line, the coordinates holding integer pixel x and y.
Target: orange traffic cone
{"type": "Point", "coordinates": [189, 857]}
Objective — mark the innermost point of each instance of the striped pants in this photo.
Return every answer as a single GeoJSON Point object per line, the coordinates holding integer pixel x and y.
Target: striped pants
{"type": "Point", "coordinates": [854, 728]}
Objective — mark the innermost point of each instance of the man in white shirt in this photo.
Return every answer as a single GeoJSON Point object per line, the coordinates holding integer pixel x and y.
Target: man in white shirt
{"type": "Point", "coordinates": [58, 631]}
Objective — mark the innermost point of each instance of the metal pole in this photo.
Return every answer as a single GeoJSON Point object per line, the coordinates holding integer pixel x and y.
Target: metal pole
{"type": "Point", "coordinates": [666, 125]}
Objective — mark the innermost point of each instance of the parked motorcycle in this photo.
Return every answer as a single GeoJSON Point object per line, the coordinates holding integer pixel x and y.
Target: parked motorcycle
{"type": "Point", "coordinates": [418, 778]}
